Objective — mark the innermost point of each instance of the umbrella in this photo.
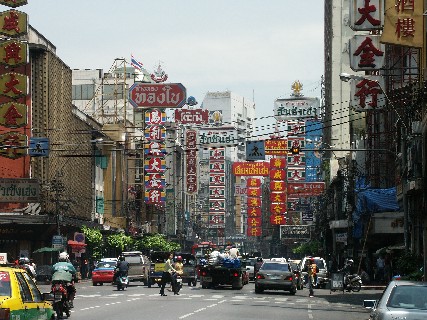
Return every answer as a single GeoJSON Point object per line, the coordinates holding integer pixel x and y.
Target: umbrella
{"type": "Point", "coordinates": [46, 249]}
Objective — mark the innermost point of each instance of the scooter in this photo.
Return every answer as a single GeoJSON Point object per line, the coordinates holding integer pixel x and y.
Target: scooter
{"type": "Point", "coordinates": [178, 283]}
{"type": "Point", "coordinates": [352, 282]}
{"type": "Point", "coordinates": [60, 299]}
{"type": "Point", "coordinates": [122, 282]}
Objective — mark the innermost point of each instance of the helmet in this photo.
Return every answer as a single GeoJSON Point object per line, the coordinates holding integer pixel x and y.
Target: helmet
{"type": "Point", "coordinates": [121, 258]}
{"type": "Point", "coordinates": [351, 261]}
{"type": "Point", "coordinates": [259, 259]}
{"type": "Point", "coordinates": [179, 258]}
{"type": "Point", "coordinates": [23, 260]}
{"type": "Point", "coordinates": [63, 256]}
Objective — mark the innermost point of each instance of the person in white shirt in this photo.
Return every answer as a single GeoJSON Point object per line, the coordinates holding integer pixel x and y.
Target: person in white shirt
{"type": "Point", "coordinates": [234, 252]}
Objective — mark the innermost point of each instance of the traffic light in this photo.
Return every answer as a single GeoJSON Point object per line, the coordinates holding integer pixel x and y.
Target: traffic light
{"type": "Point", "coordinates": [295, 150]}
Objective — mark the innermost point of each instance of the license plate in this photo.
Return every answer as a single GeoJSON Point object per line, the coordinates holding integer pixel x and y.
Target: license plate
{"type": "Point", "coordinates": [57, 295]}
{"type": "Point", "coordinates": [207, 279]}
{"type": "Point", "coordinates": [275, 277]}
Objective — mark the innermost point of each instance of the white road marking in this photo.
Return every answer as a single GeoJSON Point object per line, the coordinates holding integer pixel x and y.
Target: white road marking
{"type": "Point", "coordinates": [310, 315]}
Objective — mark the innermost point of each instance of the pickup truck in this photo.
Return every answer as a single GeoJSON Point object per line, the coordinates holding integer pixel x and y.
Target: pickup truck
{"type": "Point", "coordinates": [212, 276]}
{"type": "Point", "coordinates": [139, 266]}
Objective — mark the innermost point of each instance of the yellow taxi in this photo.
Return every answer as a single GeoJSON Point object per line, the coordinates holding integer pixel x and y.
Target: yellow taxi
{"type": "Point", "coordinates": [20, 298]}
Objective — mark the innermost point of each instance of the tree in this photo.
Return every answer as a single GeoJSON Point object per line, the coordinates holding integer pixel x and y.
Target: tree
{"type": "Point", "coordinates": [94, 240]}
{"type": "Point", "coordinates": [119, 241]}
{"type": "Point", "coordinates": [308, 248]}
{"type": "Point", "coordinates": [156, 242]}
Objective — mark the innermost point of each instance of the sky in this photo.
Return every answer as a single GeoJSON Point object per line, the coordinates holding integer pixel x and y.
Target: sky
{"type": "Point", "coordinates": [255, 48]}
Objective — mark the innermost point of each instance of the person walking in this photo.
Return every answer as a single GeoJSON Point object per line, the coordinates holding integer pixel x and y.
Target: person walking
{"type": "Point", "coordinates": [311, 268]}
{"type": "Point", "coordinates": [167, 276]}
{"type": "Point", "coordinates": [380, 269]}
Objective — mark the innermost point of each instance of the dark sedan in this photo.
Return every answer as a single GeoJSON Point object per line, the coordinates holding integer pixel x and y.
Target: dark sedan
{"type": "Point", "coordinates": [103, 273]}
{"type": "Point", "coordinates": [275, 275]}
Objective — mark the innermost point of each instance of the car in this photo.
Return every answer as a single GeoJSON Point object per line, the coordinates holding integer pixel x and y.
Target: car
{"type": "Point", "coordinates": [189, 275]}
{"type": "Point", "coordinates": [249, 265]}
{"type": "Point", "coordinates": [20, 298]}
{"type": "Point", "coordinates": [139, 266]}
{"type": "Point", "coordinates": [297, 272]}
{"type": "Point", "coordinates": [103, 272]}
{"type": "Point", "coordinates": [275, 275]}
{"type": "Point", "coordinates": [400, 300]}
{"type": "Point", "coordinates": [322, 275]}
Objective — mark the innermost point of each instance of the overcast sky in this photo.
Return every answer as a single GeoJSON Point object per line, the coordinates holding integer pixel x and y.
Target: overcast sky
{"type": "Point", "coordinates": [255, 48]}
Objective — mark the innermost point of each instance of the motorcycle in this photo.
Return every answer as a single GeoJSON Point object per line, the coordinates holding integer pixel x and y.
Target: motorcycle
{"type": "Point", "coordinates": [122, 282]}
{"type": "Point", "coordinates": [352, 282]}
{"type": "Point", "coordinates": [60, 299]}
{"type": "Point", "coordinates": [178, 283]}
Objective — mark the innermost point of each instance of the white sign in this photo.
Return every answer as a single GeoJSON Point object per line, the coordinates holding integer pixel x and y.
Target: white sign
{"type": "Point", "coordinates": [366, 53]}
{"type": "Point", "coordinates": [366, 15]}
{"type": "Point", "coordinates": [367, 94]}
{"type": "Point", "coordinates": [296, 108]}
{"type": "Point", "coordinates": [218, 137]}
{"type": "Point", "coordinates": [3, 258]}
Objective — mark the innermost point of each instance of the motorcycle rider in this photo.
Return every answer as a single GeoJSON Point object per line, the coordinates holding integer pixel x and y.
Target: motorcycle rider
{"type": "Point", "coordinates": [64, 264]}
{"type": "Point", "coordinates": [122, 268]}
{"type": "Point", "coordinates": [25, 263]}
{"type": "Point", "coordinates": [347, 270]}
{"type": "Point", "coordinates": [179, 267]}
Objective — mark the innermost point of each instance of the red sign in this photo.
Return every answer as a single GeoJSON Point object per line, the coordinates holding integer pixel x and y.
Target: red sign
{"type": "Point", "coordinates": [157, 95]}
{"type": "Point", "coordinates": [278, 197]}
{"type": "Point", "coordinates": [278, 163]}
{"type": "Point", "coordinates": [254, 202]}
{"type": "Point", "coordinates": [277, 219]}
{"type": "Point", "coordinates": [278, 208]}
{"type": "Point", "coordinates": [254, 212]}
{"type": "Point", "coordinates": [254, 232]}
{"type": "Point", "coordinates": [277, 174]}
{"type": "Point", "coordinates": [253, 182]}
{"type": "Point", "coordinates": [254, 192]}
{"type": "Point", "coordinates": [254, 222]}
{"type": "Point", "coordinates": [278, 186]}
{"type": "Point", "coordinates": [306, 189]}
{"type": "Point", "coordinates": [192, 116]}
{"type": "Point", "coordinates": [276, 147]}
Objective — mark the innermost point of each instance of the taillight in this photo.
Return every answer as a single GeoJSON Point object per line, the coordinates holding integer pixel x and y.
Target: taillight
{"type": "Point", "coordinates": [204, 273]}
{"type": "Point", "coordinates": [94, 273]}
{"type": "Point", "coordinates": [236, 274]}
{"type": "Point", "coordinates": [4, 314]}
{"type": "Point", "coordinates": [259, 276]}
{"type": "Point", "coordinates": [289, 278]}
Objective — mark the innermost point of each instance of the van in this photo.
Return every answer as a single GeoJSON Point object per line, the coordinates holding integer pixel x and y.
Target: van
{"type": "Point", "coordinates": [139, 266]}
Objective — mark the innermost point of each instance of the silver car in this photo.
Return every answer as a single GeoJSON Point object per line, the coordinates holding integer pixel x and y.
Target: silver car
{"type": "Point", "coordinates": [275, 275]}
{"type": "Point", "coordinates": [400, 300]}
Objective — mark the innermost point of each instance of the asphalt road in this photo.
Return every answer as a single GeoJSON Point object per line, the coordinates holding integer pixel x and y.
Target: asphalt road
{"type": "Point", "coordinates": [139, 302]}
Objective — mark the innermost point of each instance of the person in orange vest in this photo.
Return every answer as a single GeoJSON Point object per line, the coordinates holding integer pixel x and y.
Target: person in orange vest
{"type": "Point", "coordinates": [312, 269]}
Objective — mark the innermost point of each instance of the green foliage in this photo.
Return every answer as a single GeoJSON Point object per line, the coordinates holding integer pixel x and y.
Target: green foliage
{"type": "Point", "coordinates": [119, 241]}
{"type": "Point", "coordinates": [156, 242]}
{"type": "Point", "coordinates": [94, 240]}
{"type": "Point", "coordinates": [409, 263]}
{"type": "Point", "coordinates": [311, 247]}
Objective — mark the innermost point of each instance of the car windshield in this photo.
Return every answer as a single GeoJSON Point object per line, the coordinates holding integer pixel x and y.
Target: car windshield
{"type": "Point", "coordinates": [275, 266]}
{"type": "Point", "coordinates": [105, 265]}
{"type": "Point", "coordinates": [5, 284]}
{"type": "Point", "coordinates": [408, 297]}
{"type": "Point", "coordinates": [319, 263]}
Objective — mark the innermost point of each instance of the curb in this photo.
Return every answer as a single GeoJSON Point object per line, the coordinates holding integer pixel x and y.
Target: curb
{"type": "Point", "coordinates": [373, 287]}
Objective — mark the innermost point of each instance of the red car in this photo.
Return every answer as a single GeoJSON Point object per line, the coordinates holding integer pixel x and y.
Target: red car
{"type": "Point", "coordinates": [103, 273]}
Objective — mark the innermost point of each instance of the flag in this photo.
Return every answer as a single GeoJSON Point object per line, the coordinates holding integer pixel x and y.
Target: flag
{"type": "Point", "coordinates": [136, 64]}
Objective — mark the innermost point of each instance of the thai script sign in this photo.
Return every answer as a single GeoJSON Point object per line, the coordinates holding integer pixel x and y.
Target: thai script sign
{"type": "Point", "coordinates": [157, 95]}
{"type": "Point", "coordinates": [294, 232]}
{"type": "Point", "coordinates": [192, 116]}
{"type": "Point", "coordinates": [276, 147]}
{"type": "Point", "coordinates": [218, 137]}
{"type": "Point", "coordinates": [251, 168]}
{"type": "Point", "coordinates": [306, 189]}
{"type": "Point", "coordinates": [285, 109]}
{"type": "Point", "coordinates": [19, 190]}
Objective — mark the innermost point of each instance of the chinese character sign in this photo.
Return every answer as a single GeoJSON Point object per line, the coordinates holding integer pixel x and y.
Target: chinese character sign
{"type": "Point", "coordinates": [366, 53]}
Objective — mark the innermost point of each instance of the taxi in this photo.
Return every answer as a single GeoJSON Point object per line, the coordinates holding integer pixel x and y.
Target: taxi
{"type": "Point", "coordinates": [20, 297]}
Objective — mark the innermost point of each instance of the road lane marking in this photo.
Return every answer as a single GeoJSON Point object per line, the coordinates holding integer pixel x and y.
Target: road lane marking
{"type": "Point", "coordinates": [310, 315]}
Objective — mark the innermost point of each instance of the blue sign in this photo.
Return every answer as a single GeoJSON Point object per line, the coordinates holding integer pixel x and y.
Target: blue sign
{"type": "Point", "coordinates": [39, 147]}
{"type": "Point", "coordinates": [255, 150]}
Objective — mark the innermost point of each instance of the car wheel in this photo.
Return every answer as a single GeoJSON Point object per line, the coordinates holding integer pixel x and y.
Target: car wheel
{"type": "Point", "coordinates": [258, 289]}
{"type": "Point", "coordinates": [94, 283]}
{"type": "Point", "coordinates": [101, 283]}
{"type": "Point", "coordinates": [194, 282]}
{"type": "Point", "coordinates": [293, 291]}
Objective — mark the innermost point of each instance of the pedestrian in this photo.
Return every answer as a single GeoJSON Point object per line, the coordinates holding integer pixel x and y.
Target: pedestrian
{"type": "Point", "coordinates": [380, 269]}
{"type": "Point", "coordinates": [234, 252]}
{"type": "Point", "coordinates": [167, 276]}
{"type": "Point", "coordinates": [312, 269]}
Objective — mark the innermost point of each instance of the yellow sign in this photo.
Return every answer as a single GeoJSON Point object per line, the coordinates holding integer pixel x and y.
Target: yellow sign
{"type": "Point", "coordinates": [13, 53]}
{"type": "Point", "coordinates": [13, 115]}
{"type": "Point", "coordinates": [13, 23]}
{"type": "Point", "coordinates": [13, 3]}
{"type": "Point", "coordinates": [14, 145]}
{"type": "Point", "coordinates": [13, 84]}
{"type": "Point", "coordinates": [403, 23]}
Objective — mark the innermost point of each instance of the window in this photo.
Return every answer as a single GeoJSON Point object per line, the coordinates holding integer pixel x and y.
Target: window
{"type": "Point", "coordinates": [33, 288]}
{"type": "Point", "coordinates": [83, 92]}
{"type": "Point", "coordinates": [24, 290]}
{"type": "Point", "coordinates": [5, 284]}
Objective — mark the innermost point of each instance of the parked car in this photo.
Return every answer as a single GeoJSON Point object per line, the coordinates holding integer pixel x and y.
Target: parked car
{"type": "Point", "coordinates": [297, 272]}
{"type": "Point", "coordinates": [275, 275]}
{"type": "Point", "coordinates": [20, 297]}
{"type": "Point", "coordinates": [322, 275]}
{"type": "Point", "coordinates": [103, 273]}
{"type": "Point", "coordinates": [400, 300]}
{"type": "Point", "coordinates": [139, 266]}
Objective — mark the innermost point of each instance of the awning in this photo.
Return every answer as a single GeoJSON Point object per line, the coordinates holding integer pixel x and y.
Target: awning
{"type": "Point", "coordinates": [76, 244]}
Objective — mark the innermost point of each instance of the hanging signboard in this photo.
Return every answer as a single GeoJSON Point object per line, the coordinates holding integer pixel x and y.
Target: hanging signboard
{"type": "Point", "coordinates": [296, 108]}
{"type": "Point", "coordinates": [19, 190]}
{"type": "Point", "coordinates": [218, 137]}
{"type": "Point", "coordinates": [192, 116]}
{"type": "Point", "coordinates": [157, 95]}
{"type": "Point", "coordinates": [251, 168]}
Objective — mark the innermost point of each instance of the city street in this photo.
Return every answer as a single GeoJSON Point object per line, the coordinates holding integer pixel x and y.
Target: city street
{"type": "Point", "coordinates": [105, 302]}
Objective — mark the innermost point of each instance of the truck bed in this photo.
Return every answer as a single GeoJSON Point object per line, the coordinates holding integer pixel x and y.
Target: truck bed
{"type": "Point", "coordinates": [215, 275]}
